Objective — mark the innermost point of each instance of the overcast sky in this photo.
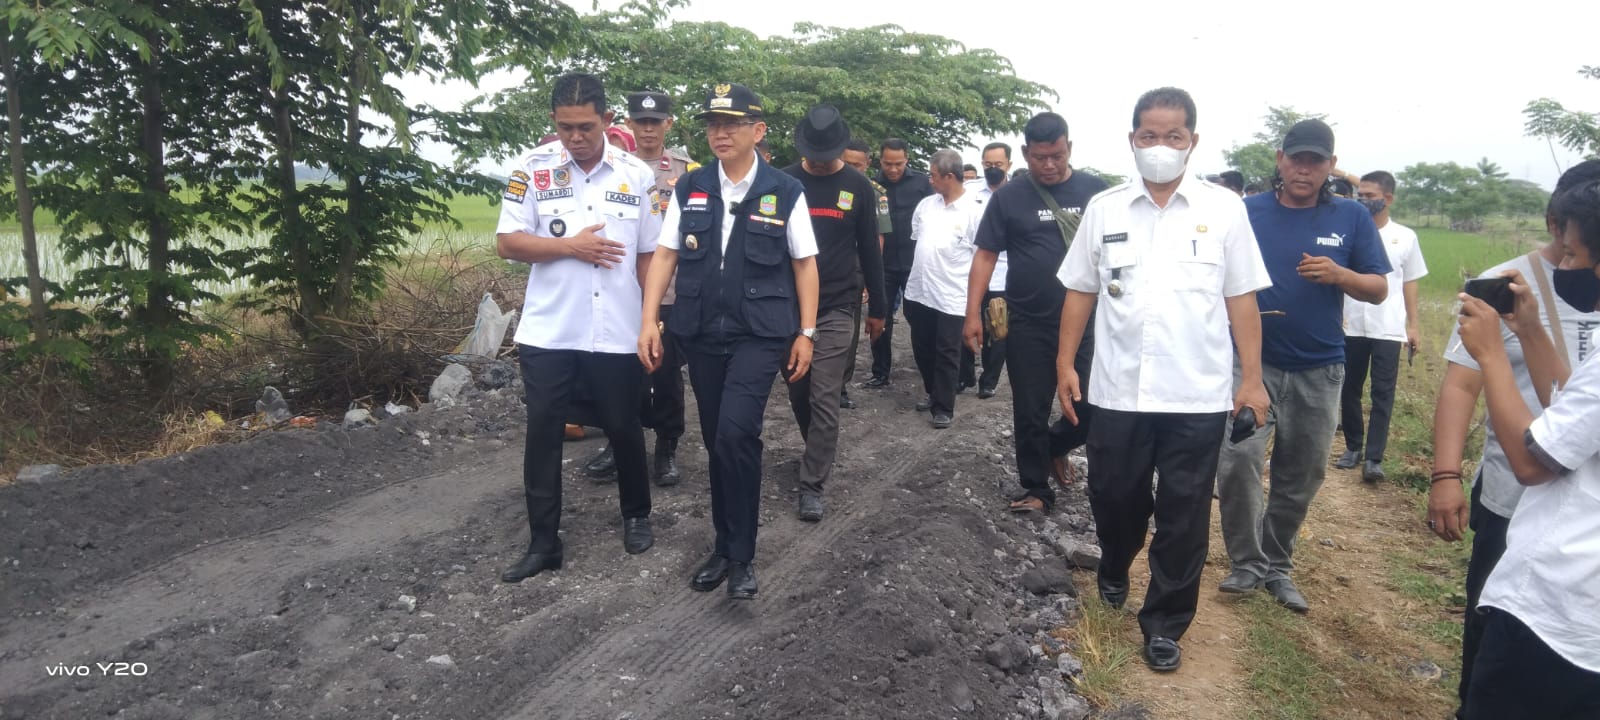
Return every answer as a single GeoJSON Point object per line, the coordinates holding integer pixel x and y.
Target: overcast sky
{"type": "Point", "coordinates": [1403, 81]}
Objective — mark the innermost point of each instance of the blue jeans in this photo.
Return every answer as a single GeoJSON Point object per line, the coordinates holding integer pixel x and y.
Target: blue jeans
{"type": "Point", "coordinates": [1259, 531]}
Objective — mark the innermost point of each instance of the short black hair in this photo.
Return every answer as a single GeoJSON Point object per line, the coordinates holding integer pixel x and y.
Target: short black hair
{"type": "Point", "coordinates": [1581, 204]}
{"type": "Point", "coordinates": [1167, 97]}
{"type": "Point", "coordinates": [1046, 127]}
{"type": "Point", "coordinates": [1584, 172]}
{"type": "Point", "coordinates": [1231, 179]}
{"type": "Point", "coordinates": [1254, 188]}
{"type": "Point", "coordinates": [998, 146]}
{"type": "Point", "coordinates": [968, 166]}
{"type": "Point", "coordinates": [578, 89]}
{"type": "Point", "coordinates": [893, 144]}
{"type": "Point", "coordinates": [1383, 179]}
{"type": "Point", "coordinates": [859, 146]}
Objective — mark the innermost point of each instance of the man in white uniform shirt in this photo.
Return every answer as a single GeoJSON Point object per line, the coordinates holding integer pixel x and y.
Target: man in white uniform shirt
{"type": "Point", "coordinates": [944, 228]}
{"type": "Point", "coordinates": [578, 212]}
{"type": "Point", "coordinates": [996, 172]}
{"type": "Point", "coordinates": [1162, 380]}
{"type": "Point", "coordinates": [1374, 334]}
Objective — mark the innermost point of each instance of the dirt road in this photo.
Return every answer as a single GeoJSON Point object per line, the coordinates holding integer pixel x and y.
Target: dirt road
{"type": "Point", "coordinates": [332, 573]}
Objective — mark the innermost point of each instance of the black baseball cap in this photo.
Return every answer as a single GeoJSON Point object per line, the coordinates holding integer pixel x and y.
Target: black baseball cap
{"type": "Point", "coordinates": [821, 134]}
{"type": "Point", "coordinates": [1313, 136]}
{"type": "Point", "coordinates": [731, 99]}
{"type": "Point", "coordinates": [649, 105]}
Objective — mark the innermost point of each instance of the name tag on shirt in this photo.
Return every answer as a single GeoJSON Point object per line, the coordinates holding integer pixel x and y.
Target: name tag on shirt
{"type": "Point", "coordinates": [767, 220]}
{"type": "Point", "coordinates": [555, 194]}
{"type": "Point", "coordinates": [623, 198]}
{"type": "Point", "coordinates": [1114, 238]}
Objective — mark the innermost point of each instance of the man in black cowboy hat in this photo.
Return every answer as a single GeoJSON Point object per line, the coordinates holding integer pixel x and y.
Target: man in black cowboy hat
{"type": "Point", "coordinates": [845, 221]}
{"type": "Point", "coordinates": [738, 235]}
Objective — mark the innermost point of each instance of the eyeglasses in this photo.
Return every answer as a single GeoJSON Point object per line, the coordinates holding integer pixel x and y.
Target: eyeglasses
{"type": "Point", "coordinates": [727, 126]}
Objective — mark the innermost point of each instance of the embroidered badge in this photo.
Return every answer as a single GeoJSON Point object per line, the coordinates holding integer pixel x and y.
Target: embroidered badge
{"type": "Point", "coordinates": [558, 228]}
{"type": "Point", "coordinates": [1200, 228]}
{"type": "Point", "coordinates": [517, 189]}
{"type": "Point", "coordinates": [847, 199]}
{"type": "Point", "coordinates": [724, 89]}
{"type": "Point", "coordinates": [622, 188]}
{"type": "Point", "coordinates": [563, 177]}
{"type": "Point", "coordinates": [769, 204]}
{"type": "Point", "coordinates": [617, 197]}
{"type": "Point", "coordinates": [698, 200]}
{"type": "Point", "coordinates": [541, 179]}
{"type": "Point", "coordinates": [648, 103]}
{"type": "Point", "coordinates": [666, 164]}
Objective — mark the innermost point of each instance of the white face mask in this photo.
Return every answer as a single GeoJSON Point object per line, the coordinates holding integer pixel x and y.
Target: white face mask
{"type": "Point", "coordinates": [1160, 164]}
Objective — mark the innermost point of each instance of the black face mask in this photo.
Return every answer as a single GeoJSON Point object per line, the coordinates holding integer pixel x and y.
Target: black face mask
{"type": "Point", "coordinates": [994, 176]}
{"type": "Point", "coordinates": [1373, 205]}
{"type": "Point", "coordinates": [1579, 287]}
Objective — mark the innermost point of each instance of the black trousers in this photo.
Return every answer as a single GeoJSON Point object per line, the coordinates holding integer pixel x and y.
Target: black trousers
{"type": "Point", "coordinates": [1488, 544]}
{"type": "Point", "coordinates": [936, 347]}
{"type": "Point", "coordinates": [610, 382]}
{"type": "Point", "coordinates": [894, 284]}
{"type": "Point", "coordinates": [662, 410]}
{"type": "Point", "coordinates": [1383, 357]}
{"type": "Point", "coordinates": [1518, 676]}
{"type": "Point", "coordinates": [731, 387]}
{"type": "Point", "coordinates": [1031, 365]}
{"type": "Point", "coordinates": [1124, 449]}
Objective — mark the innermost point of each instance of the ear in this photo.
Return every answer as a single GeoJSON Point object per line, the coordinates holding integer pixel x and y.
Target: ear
{"type": "Point", "coordinates": [610, 117]}
{"type": "Point", "coordinates": [1194, 142]}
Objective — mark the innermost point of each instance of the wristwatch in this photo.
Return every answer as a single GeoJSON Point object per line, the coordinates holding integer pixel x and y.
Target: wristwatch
{"type": "Point", "coordinates": [809, 334]}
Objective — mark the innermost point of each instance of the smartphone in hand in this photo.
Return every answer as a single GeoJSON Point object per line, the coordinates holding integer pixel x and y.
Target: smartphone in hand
{"type": "Point", "coordinates": [1494, 291]}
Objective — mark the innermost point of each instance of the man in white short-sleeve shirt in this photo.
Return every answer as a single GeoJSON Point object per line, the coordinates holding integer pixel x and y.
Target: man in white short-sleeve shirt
{"type": "Point", "coordinates": [1375, 334]}
{"type": "Point", "coordinates": [578, 211]}
{"type": "Point", "coordinates": [944, 227]}
{"type": "Point", "coordinates": [1169, 262]}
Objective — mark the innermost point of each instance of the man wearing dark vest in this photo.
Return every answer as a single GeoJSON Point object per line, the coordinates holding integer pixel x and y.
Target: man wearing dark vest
{"type": "Point", "coordinates": [738, 235]}
{"type": "Point", "coordinates": [844, 221]}
{"type": "Point", "coordinates": [904, 189]}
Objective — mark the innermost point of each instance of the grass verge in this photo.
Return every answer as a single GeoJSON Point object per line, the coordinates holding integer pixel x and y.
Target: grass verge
{"type": "Point", "coordinates": [1101, 639]}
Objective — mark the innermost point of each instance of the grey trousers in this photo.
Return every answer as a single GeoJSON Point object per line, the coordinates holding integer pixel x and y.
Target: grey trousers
{"type": "Point", "coordinates": [1259, 532]}
{"type": "Point", "coordinates": [815, 399]}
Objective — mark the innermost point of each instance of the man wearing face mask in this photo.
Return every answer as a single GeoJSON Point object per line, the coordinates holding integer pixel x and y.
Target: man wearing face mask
{"type": "Point", "coordinates": [1318, 249]}
{"type": "Point", "coordinates": [1027, 219]}
{"type": "Point", "coordinates": [996, 172]}
{"type": "Point", "coordinates": [1373, 334]}
{"type": "Point", "coordinates": [904, 188]}
{"type": "Point", "coordinates": [1494, 489]}
{"type": "Point", "coordinates": [1539, 657]}
{"type": "Point", "coordinates": [1161, 307]}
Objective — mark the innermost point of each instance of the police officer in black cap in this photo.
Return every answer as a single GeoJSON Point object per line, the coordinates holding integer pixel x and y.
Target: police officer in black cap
{"type": "Point", "coordinates": [738, 235]}
{"type": "Point", "coordinates": [650, 120]}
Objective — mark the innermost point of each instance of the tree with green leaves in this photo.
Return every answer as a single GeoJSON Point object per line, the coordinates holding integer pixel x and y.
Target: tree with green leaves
{"type": "Point", "coordinates": [1576, 130]}
{"type": "Point", "coordinates": [1258, 160]}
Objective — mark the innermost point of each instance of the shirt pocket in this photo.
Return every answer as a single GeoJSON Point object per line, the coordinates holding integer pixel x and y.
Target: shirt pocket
{"type": "Point", "coordinates": [766, 244]}
{"type": "Point", "coordinates": [1201, 269]}
{"type": "Point", "coordinates": [1117, 264]}
{"type": "Point", "coordinates": [560, 219]}
{"type": "Point", "coordinates": [695, 236]}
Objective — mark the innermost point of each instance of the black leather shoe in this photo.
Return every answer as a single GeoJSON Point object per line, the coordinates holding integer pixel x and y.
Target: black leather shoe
{"type": "Point", "coordinates": [636, 535]}
{"type": "Point", "coordinates": [985, 393]}
{"type": "Point", "coordinates": [1348, 459]}
{"type": "Point", "coordinates": [963, 387]}
{"type": "Point", "coordinates": [876, 383]}
{"type": "Point", "coordinates": [667, 462]}
{"type": "Point", "coordinates": [1112, 592]}
{"type": "Point", "coordinates": [811, 508]}
{"type": "Point", "coordinates": [711, 574]}
{"type": "Point", "coordinates": [1162, 654]}
{"type": "Point", "coordinates": [530, 565]}
{"type": "Point", "coordinates": [741, 581]}
{"type": "Point", "coordinates": [1372, 472]}
{"type": "Point", "coordinates": [845, 403]}
{"type": "Point", "coordinates": [941, 421]}
{"type": "Point", "coordinates": [603, 464]}
{"type": "Point", "coordinates": [925, 403]}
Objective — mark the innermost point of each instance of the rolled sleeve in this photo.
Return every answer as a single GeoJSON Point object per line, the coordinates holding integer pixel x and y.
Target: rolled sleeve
{"type": "Point", "coordinates": [802, 238]}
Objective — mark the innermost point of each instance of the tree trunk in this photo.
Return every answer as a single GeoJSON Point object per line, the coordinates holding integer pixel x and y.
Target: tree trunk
{"type": "Point", "coordinates": [38, 310]}
{"type": "Point", "coordinates": [158, 312]}
{"type": "Point", "coordinates": [353, 230]}
{"type": "Point", "coordinates": [294, 232]}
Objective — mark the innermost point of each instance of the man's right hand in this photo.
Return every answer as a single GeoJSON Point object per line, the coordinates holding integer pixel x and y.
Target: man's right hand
{"type": "Point", "coordinates": [1447, 509]}
{"type": "Point", "coordinates": [596, 250]}
{"type": "Point", "coordinates": [1067, 391]}
{"type": "Point", "coordinates": [650, 347]}
{"type": "Point", "coordinates": [972, 331]}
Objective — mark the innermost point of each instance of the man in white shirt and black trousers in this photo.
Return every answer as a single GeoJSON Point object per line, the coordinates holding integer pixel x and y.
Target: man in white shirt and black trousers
{"type": "Point", "coordinates": [1162, 385]}
{"type": "Point", "coordinates": [944, 228]}
{"type": "Point", "coordinates": [578, 211]}
{"type": "Point", "coordinates": [738, 234]}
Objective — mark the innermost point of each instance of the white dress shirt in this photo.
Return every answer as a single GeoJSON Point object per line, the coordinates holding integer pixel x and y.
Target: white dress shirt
{"type": "Point", "coordinates": [1549, 576]}
{"type": "Point", "coordinates": [1387, 320]}
{"type": "Point", "coordinates": [1162, 342]}
{"type": "Point", "coordinates": [997, 281]}
{"type": "Point", "coordinates": [946, 237]}
{"type": "Point", "coordinates": [802, 240]}
{"type": "Point", "coordinates": [571, 304]}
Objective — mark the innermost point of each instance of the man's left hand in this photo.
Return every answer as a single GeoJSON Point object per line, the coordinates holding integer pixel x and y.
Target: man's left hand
{"type": "Point", "coordinates": [799, 358]}
{"type": "Point", "coordinates": [874, 328]}
{"type": "Point", "coordinates": [1320, 269]}
{"type": "Point", "coordinates": [1254, 396]}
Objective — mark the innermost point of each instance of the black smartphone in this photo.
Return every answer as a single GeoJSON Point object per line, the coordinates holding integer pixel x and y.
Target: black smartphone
{"type": "Point", "coordinates": [1244, 425]}
{"type": "Point", "coordinates": [1494, 291]}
